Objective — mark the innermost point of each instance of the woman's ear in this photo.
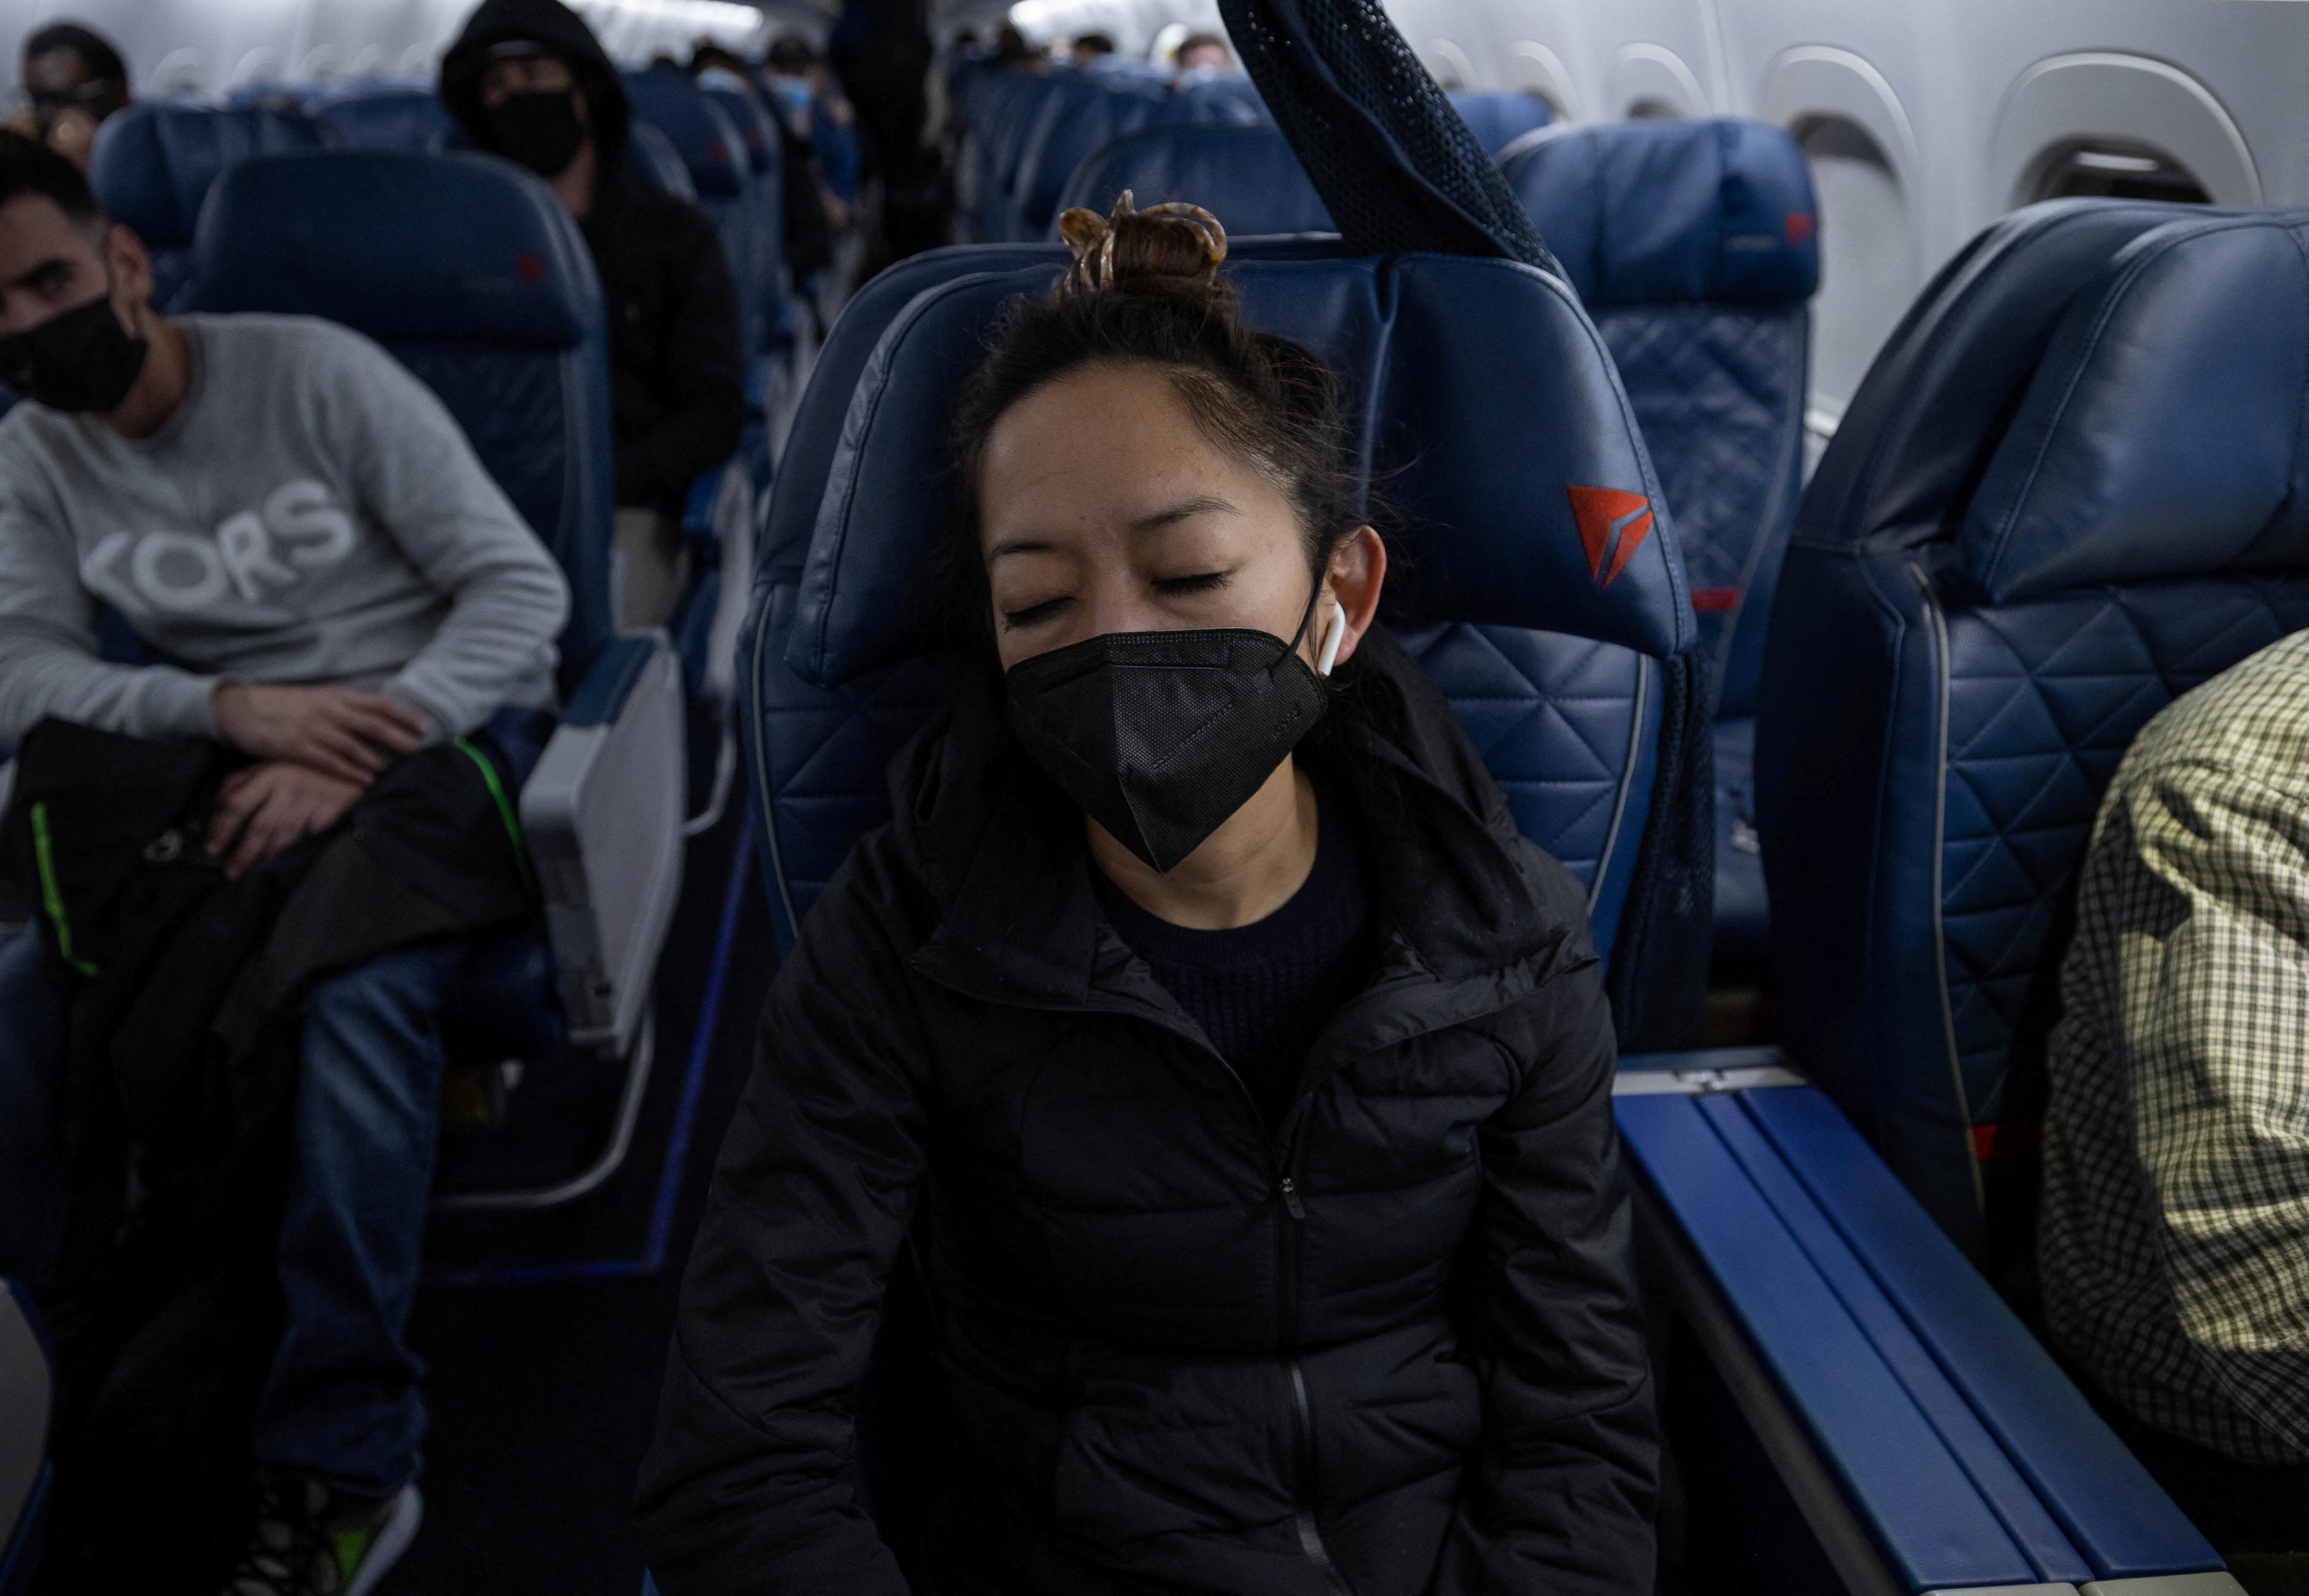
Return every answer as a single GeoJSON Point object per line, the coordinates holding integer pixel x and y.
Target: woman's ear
{"type": "Point", "coordinates": [1357, 572]}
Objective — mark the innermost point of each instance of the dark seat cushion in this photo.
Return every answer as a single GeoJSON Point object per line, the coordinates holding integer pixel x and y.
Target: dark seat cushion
{"type": "Point", "coordinates": [1247, 177]}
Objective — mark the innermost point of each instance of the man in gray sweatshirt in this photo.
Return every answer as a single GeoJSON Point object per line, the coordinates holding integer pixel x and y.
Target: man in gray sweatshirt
{"type": "Point", "coordinates": [299, 528]}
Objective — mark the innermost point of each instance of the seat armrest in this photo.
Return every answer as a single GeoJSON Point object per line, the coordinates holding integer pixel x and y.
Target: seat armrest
{"type": "Point", "coordinates": [603, 813]}
{"type": "Point", "coordinates": [1930, 1440]}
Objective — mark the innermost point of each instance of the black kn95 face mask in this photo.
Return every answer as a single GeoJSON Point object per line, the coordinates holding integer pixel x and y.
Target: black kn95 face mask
{"type": "Point", "coordinates": [540, 131]}
{"type": "Point", "coordinates": [1161, 735]}
{"type": "Point", "coordinates": [80, 361]}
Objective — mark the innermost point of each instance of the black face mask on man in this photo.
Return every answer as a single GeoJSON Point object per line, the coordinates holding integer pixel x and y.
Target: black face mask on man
{"type": "Point", "coordinates": [540, 131]}
{"type": "Point", "coordinates": [1161, 735]}
{"type": "Point", "coordinates": [80, 361]}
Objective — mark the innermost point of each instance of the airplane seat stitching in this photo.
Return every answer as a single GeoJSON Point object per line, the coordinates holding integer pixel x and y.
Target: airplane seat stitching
{"type": "Point", "coordinates": [1941, 672]}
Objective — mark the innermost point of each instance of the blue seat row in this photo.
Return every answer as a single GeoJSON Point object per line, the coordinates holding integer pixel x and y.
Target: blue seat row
{"type": "Point", "coordinates": [1694, 245]}
{"type": "Point", "coordinates": [155, 163]}
{"type": "Point", "coordinates": [2067, 492]}
{"type": "Point", "coordinates": [1030, 131]}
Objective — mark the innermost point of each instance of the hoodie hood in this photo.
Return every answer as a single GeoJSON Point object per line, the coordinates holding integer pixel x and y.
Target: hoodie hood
{"type": "Point", "coordinates": [557, 30]}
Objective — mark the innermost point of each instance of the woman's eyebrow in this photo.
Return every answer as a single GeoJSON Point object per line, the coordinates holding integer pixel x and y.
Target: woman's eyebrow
{"type": "Point", "coordinates": [1184, 510]}
{"type": "Point", "coordinates": [1018, 546]}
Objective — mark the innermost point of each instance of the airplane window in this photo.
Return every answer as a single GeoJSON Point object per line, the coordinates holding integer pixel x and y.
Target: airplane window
{"type": "Point", "coordinates": [2107, 170]}
{"type": "Point", "coordinates": [1866, 264]}
{"type": "Point", "coordinates": [1450, 65]}
{"type": "Point", "coordinates": [181, 73]}
{"type": "Point", "coordinates": [1654, 110]}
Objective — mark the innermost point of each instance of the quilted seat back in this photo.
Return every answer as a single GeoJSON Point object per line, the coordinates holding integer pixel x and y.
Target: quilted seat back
{"type": "Point", "coordinates": [1693, 245]}
{"type": "Point", "coordinates": [153, 164]}
{"type": "Point", "coordinates": [2072, 489]}
{"type": "Point", "coordinates": [1247, 177]}
{"type": "Point", "coordinates": [1483, 391]}
{"type": "Point", "coordinates": [469, 272]}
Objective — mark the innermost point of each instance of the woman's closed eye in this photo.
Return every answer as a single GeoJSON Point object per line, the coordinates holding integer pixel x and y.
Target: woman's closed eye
{"type": "Point", "coordinates": [1034, 614]}
{"type": "Point", "coordinates": [1177, 587]}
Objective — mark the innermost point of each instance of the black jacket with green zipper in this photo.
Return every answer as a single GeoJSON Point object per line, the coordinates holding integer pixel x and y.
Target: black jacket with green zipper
{"type": "Point", "coordinates": [1389, 1347]}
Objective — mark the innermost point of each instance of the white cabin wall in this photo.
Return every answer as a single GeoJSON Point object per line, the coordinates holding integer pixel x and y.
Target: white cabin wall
{"type": "Point", "coordinates": [210, 47]}
{"type": "Point", "coordinates": [1942, 92]}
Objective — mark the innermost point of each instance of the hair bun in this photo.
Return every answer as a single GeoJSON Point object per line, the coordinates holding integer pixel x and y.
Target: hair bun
{"type": "Point", "coordinates": [1171, 244]}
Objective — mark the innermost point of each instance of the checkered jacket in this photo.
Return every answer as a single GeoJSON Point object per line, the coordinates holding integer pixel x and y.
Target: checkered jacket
{"type": "Point", "coordinates": [2175, 1232]}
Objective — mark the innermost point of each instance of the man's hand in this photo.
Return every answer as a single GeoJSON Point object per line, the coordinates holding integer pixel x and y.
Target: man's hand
{"type": "Point", "coordinates": [265, 807]}
{"type": "Point", "coordinates": [334, 731]}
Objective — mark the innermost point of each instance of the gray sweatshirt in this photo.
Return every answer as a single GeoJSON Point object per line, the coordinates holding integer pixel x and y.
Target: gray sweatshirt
{"type": "Point", "coordinates": [310, 514]}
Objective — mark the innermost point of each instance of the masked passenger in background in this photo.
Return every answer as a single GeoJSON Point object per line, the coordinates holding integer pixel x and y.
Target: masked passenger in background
{"type": "Point", "coordinates": [1241, 1074]}
{"type": "Point", "coordinates": [527, 80]}
{"type": "Point", "coordinates": [73, 81]}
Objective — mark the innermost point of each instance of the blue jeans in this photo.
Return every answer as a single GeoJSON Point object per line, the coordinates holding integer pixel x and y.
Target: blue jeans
{"type": "Point", "coordinates": [342, 1402]}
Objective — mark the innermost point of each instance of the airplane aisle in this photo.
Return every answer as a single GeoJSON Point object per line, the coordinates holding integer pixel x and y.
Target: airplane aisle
{"type": "Point", "coordinates": [545, 1366]}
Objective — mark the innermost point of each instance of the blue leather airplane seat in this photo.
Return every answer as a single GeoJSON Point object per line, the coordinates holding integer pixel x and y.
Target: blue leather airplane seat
{"type": "Point", "coordinates": [1249, 177]}
{"type": "Point", "coordinates": [764, 149]}
{"type": "Point", "coordinates": [650, 157]}
{"type": "Point", "coordinates": [714, 153]}
{"type": "Point", "coordinates": [396, 118]}
{"type": "Point", "coordinates": [1498, 120]}
{"type": "Point", "coordinates": [2072, 487]}
{"type": "Point", "coordinates": [1692, 244]}
{"type": "Point", "coordinates": [1069, 134]}
{"type": "Point", "coordinates": [28, 1376]}
{"type": "Point", "coordinates": [1486, 375]}
{"type": "Point", "coordinates": [1230, 97]}
{"type": "Point", "coordinates": [468, 269]}
{"type": "Point", "coordinates": [1084, 110]}
{"type": "Point", "coordinates": [1013, 100]}
{"type": "Point", "coordinates": [152, 166]}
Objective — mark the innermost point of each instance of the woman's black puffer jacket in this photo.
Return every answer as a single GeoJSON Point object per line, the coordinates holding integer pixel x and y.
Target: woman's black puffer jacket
{"type": "Point", "coordinates": [1389, 1348]}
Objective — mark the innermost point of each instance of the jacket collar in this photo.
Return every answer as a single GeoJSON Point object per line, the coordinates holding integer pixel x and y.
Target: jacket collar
{"type": "Point", "coordinates": [1459, 893]}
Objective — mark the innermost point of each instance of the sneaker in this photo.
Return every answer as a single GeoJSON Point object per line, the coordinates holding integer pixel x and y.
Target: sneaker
{"type": "Point", "coordinates": [310, 1540]}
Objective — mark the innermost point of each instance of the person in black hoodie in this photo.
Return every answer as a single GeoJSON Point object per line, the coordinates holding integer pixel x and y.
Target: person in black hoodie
{"type": "Point", "coordinates": [527, 80]}
{"type": "Point", "coordinates": [1237, 1077]}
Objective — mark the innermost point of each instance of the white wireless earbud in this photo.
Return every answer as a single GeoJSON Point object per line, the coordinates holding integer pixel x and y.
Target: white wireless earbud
{"type": "Point", "coordinates": [1332, 638]}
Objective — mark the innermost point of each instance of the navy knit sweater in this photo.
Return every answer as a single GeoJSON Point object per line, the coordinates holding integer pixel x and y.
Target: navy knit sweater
{"type": "Point", "coordinates": [1262, 992]}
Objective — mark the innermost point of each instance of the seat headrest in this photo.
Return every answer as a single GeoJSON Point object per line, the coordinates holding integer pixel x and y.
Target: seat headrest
{"type": "Point", "coordinates": [811, 445]}
{"type": "Point", "coordinates": [1914, 437]}
{"type": "Point", "coordinates": [1245, 175]}
{"type": "Point", "coordinates": [755, 131]}
{"type": "Point", "coordinates": [1519, 488]}
{"type": "Point", "coordinates": [1230, 97]}
{"type": "Point", "coordinates": [650, 157]}
{"type": "Point", "coordinates": [385, 119]}
{"type": "Point", "coordinates": [713, 148]}
{"type": "Point", "coordinates": [154, 162]}
{"type": "Point", "coordinates": [402, 246]}
{"type": "Point", "coordinates": [1656, 211]}
{"type": "Point", "coordinates": [1498, 120]}
{"type": "Point", "coordinates": [2163, 434]}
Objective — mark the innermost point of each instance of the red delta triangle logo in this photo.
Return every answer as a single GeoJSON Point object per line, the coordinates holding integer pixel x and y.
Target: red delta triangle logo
{"type": "Point", "coordinates": [1611, 525]}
